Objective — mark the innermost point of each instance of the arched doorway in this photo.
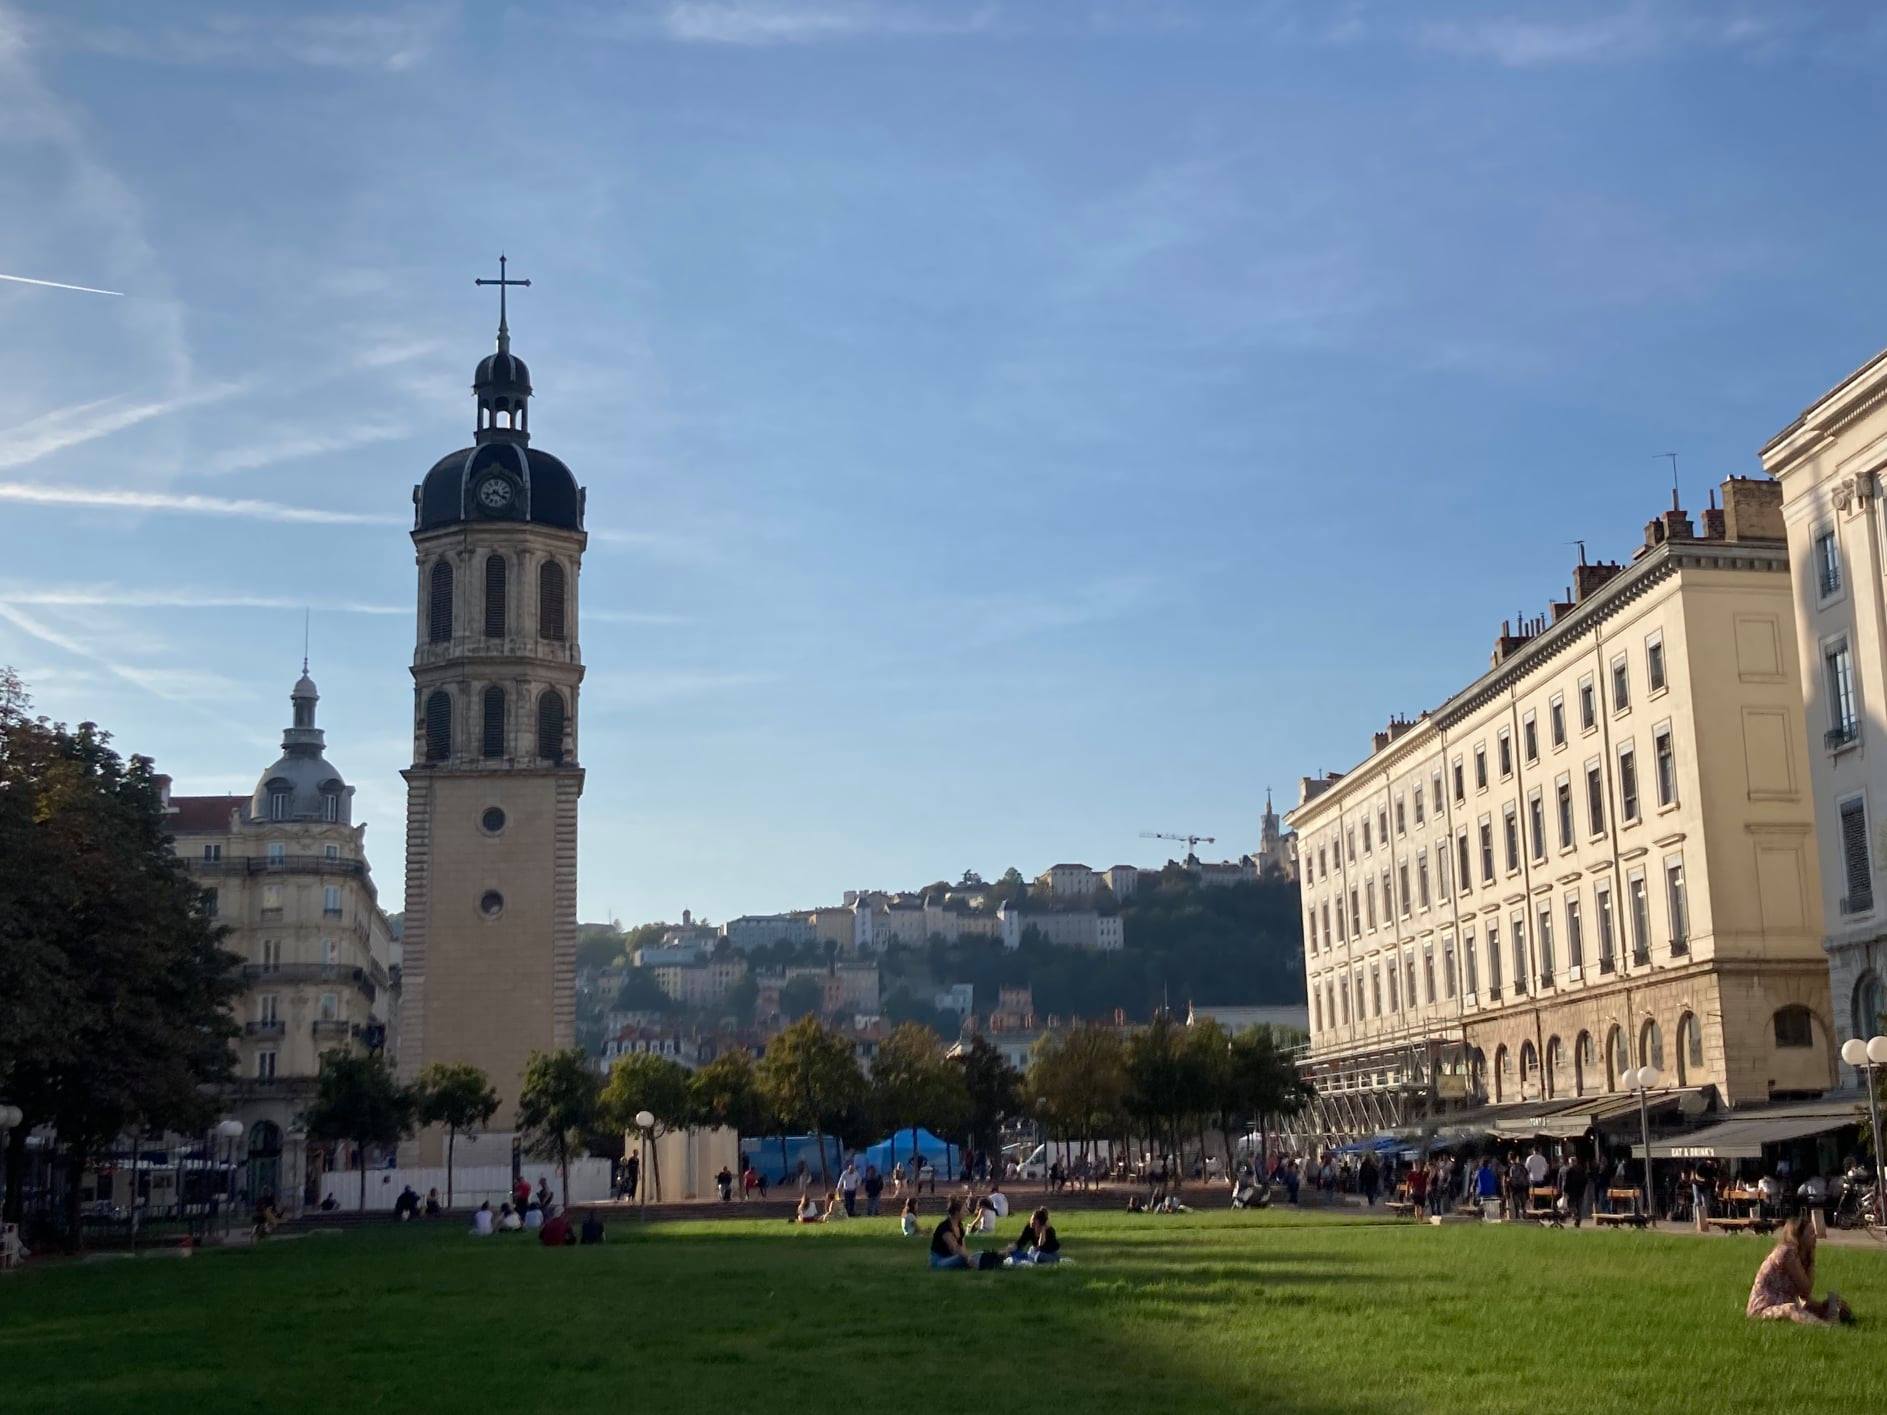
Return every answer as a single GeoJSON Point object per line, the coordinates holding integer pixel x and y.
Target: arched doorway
{"type": "Point", "coordinates": [1690, 1050]}
{"type": "Point", "coordinates": [1503, 1074]}
{"type": "Point", "coordinates": [265, 1159]}
{"type": "Point", "coordinates": [1529, 1072]}
{"type": "Point", "coordinates": [1558, 1081]}
{"type": "Point", "coordinates": [1870, 1006]}
{"type": "Point", "coordinates": [1616, 1062]}
{"type": "Point", "coordinates": [1585, 1064]}
{"type": "Point", "coordinates": [1651, 1045]}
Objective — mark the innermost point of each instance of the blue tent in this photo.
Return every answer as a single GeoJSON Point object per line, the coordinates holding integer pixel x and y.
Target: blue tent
{"type": "Point", "coordinates": [765, 1154]}
{"type": "Point", "coordinates": [897, 1150]}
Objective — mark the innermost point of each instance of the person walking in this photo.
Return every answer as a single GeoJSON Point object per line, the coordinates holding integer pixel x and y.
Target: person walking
{"type": "Point", "coordinates": [848, 1188]}
{"type": "Point", "coordinates": [874, 1189]}
{"type": "Point", "coordinates": [1367, 1177]}
{"type": "Point", "coordinates": [1573, 1186]}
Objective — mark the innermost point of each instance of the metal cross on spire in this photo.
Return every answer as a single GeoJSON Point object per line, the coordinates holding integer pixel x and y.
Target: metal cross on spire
{"type": "Point", "coordinates": [502, 282]}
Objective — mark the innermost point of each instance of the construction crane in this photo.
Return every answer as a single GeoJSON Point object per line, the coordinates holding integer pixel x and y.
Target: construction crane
{"type": "Point", "coordinates": [1192, 841]}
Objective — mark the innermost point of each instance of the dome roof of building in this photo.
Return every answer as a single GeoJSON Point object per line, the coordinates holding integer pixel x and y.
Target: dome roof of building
{"type": "Point", "coordinates": [308, 782]}
{"type": "Point", "coordinates": [502, 372]}
{"type": "Point", "coordinates": [544, 491]}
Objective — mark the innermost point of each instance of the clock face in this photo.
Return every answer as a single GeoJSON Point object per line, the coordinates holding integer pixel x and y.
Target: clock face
{"type": "Point", "coordinates": [494, 493]}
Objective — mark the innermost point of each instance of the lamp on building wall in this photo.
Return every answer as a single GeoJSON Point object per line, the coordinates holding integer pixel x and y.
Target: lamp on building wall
{"type": "Point", "coordinates": [1865, 1056]}
{"type": "Point", "coordinates": [645, 1122]}
{"type": "Point", "coordinates": [1642, 1079]}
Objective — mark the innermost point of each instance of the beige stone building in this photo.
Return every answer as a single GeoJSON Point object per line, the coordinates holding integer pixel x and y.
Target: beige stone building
{"type": "Point", "coordinates": [286, 871]}
{"type": "Point", "coordinates": [491, 818]}
{"type": "Point", "coordinates": [1599, 853]}
{"type": "Point", "coordinates": [1829, 462]}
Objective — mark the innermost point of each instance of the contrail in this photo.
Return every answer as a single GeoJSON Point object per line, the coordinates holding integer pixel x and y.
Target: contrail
{"type": "Point", "coordinates": [35, 493]}
{"type": "Point", "coordinates": [61, 285]}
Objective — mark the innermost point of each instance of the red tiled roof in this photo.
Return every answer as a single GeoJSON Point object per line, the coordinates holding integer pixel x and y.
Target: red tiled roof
{"type": "Point", "coordinates": [202, 813]}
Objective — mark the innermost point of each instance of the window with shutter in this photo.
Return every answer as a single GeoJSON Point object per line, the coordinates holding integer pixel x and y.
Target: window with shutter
{"type": "Point", "coordinates": [438, 726]}
{"type": "Point", "coordinates": [1860, 897]}
{"type": "Point", "coordinates": [550, 718]}
{"type": "Point", "coordinates": [495, 597]}
{"type": "Point", "coordinates": [550, 586]}
{"type": "Point", "coordinates": [494, 735]}
{"type": "Point", "coordinates": [439, 607]}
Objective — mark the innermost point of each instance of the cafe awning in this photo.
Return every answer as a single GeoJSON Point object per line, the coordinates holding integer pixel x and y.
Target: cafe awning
{"type": "Point", "coordinates": [1742, 1137]}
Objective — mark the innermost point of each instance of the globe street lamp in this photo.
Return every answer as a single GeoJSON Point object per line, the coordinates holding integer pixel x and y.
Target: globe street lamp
{"type": "Point", "coordinates": [1865, 1056]}
{"type": "Point", "coordinates": [645, 1122]}
{"type": "Point", "coordinates": [1642, 1079]}
{"type": "Point", "coordinates": [228, 1130]}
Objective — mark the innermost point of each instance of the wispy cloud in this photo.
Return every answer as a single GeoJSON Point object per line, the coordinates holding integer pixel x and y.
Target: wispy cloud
{"type": "Point", "coordinates": [655, 686]}
{"type": "Point", "coordinates": [86, 422]}
{"type": "Point", "coordinates": [294, 446]}
{"type": "Point", "coordinates": [389, 351]}
{"type": "Point", "coordinates": [108, 596]}
{"type": "Point", "coordinates": [999, 619]}
{"type": "Point", "coordinates": [123, 499]}
{"type": "Point", "coordinates": [1596, 36]}
{"type": "Point", "coordinates": [390, 40]}
{"type": "Point", "coordinates": [175, 685]}
{"type": "Point", "coordinates": [766, 22]}
{"type": "Point", "coordinates": [60, 285]}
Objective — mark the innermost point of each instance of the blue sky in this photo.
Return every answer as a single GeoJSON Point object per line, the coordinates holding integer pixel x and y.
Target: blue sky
{"type": "Point", "coordinates": [1009, 426]}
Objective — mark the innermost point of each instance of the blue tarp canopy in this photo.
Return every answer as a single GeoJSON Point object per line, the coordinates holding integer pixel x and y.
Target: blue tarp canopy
{"type": "Point", "coordinates": [765, 1154]}
{"type": "Point", "coordinates": [1376, 1144]}
{"type": "Point", "coordinates": [897, 1150]}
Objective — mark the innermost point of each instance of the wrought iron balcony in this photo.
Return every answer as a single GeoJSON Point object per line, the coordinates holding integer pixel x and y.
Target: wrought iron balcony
{"type": "Point", "coordinates": [268, 1027]}
{"type": "Point", "coordinates": [1841, 735]}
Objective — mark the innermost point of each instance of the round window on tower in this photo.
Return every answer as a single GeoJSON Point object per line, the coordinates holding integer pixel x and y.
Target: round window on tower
{"type": "Point", "coordinates": [491, 904]}
{"type": "Point", "coordinates": [493, 821]}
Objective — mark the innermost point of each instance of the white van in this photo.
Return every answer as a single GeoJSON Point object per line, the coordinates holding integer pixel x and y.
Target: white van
{"type": "Point", "coordinates": [1100, 1153]}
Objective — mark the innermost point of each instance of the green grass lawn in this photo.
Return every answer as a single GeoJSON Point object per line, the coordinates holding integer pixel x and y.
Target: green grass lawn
{"type": "Point", "coordinates": [1214, 1311]}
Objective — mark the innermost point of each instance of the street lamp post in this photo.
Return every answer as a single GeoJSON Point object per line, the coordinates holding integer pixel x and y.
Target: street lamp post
{"type": "Point", "coordinates": [645, 1122]}
{"type": "Point", "coordinates": [1865, 1056]}
{"type": "Point", "coordinates": [227, 1130]}
{"type": "Point", "coordinates": [1641, 1080]}
{"type": "Point", "coordinates": [1041, 1112]}
{"type": "Point", "coordinates": [10, 1117]}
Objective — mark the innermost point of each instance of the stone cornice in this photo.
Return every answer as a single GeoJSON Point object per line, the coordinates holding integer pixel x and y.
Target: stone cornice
{"type": "Point", "coordinates": [1854, 397]}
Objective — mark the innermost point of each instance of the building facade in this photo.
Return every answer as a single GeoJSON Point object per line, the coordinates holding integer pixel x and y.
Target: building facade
{"type": "Point", "coordinates": [1598, 854]}
{"type": "Point", "coordinates": [492, 792]}
{"type": "Point", "coordinates": [285, 869]}
{"type": "Point", "coordinates": [1829, 462]}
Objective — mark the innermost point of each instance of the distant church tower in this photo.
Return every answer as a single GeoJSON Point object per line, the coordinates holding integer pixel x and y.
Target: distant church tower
{"type": "Point", "coordinates": [1277, 851]}
{"type": "Point", "coordinates": [491, 796]}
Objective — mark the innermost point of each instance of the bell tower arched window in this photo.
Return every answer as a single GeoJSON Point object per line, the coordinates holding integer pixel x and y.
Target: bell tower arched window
{"type": "Point", "coordinates": [550, 720]}
{"type": "Point", "coordinates": [495, 597]}
{"type": "Point", "coordinates": [438, 725]}
{"type": "Point", "coordinates": [439, 603]}
{"type": "Point", "coordinates": [494, 736]}
{"type": "Point", "coordinates": [550, 601]}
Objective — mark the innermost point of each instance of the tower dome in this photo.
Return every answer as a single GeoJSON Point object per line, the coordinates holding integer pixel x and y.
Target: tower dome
{"type": "Point", "coordinates": [301, 785]}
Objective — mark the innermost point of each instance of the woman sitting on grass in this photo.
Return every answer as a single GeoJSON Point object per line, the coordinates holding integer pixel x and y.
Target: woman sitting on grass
{"type": "Point", "coordinates": [1038, 1243]}
{"type": "Point", "coordinates": [907, 1221]}
{"type": "Point", "coordinates": [835, 1209]}
{"type": "Point", "coordinates": [946, 1240]}
{"type": "Point", "coordinates": [1785, 1283]}
{"type": "Point", "coordinates": [807, 1210]}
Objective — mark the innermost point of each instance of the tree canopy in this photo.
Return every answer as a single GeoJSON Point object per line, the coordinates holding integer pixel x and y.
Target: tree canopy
{"type": "Point", "coordinates": [358, 1099]}
{"type": "Point", "coordinates": [558, 1104]}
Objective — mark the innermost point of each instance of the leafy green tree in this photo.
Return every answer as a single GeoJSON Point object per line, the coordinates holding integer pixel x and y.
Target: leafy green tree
{"type": "Point", "coordinates": [1157, 1077]}
{"type": "Point", "coordinates": [457, 1095]}
{"type": "Point", "coordinates": [644, 1081]}
{"type": "Point", "coordinates": [599, 945]}
{"type": "Point", "coordinates": [114, 986]}
{"type": "Point", "coordinates": [641, 993]}
{"type": "Point", "coordinates": [358, 1099]}
{"type": "Point", "coordinates": [810, 1078]}
{"type": "Point", "coordinates": [801, 997]}
{"type": "Point", "coordinates": [913, 1084]}
{"type": "Point", "coordinates": [726, 1092]}
{"type": "Point", "coordinates": [1079, 1077]}
{"type": "Point", "coordinates": [992, 1089]}
{"type": "Point", "coordinates": [742, 997]}
{"type": "Point", "coordinates": [1265, 1080]}
{"type": "Point", "coordinates": [557, 1105]}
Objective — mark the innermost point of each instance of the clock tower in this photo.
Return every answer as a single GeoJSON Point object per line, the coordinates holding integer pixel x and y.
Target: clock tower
{"type": "Point", "coordinates": [491, 796]}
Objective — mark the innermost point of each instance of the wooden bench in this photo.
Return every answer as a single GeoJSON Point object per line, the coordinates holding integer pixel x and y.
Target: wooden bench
{"type": "Point", "coordinates": [1633, 1217]}
{"type": "Point", "coordinates": [1543, 1204]}
{"type": "Point", "coordinates": [1750, 1220]}
{"type": "Point", "coordinates": [1400, 1207]}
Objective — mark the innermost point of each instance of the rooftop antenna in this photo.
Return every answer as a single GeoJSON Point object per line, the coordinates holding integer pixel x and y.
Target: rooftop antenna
{"type": "Point", "coordinates": [1674, 501]}
{"type": "Point", "coordinates": [304, 641]}
{"type": "Point", "coordinates": [1582, 549]}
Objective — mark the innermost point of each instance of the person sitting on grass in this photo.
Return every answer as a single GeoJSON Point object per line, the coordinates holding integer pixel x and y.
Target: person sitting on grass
{"type": "Point", "coordinates": [482, 1221]}
{"type": "Point", "coordinates": [946, 1240]}
{"type": "Point", "coordinates": [432, 1204]}
{"type": "Point", "coordinates": [907, 1221]}
{"type": "Point", "coordinates": [1785, 1283]}
{"type": "Point", "coordinates": [508, 1220]}
{"type": "Point", "coordinates": [534, 1217]}
{"type": "Point", "coordinates": [592, 1228]}
{"type": "Point", "coordinates": [1247, 1195]}
{"type": "Point", "coordinates": [556, 1232]}
{"type": "Point", "coordinates": [1038, 1243]}
{"type": "Point", "coordinates": [806, 1210]}
{"type": "Point", "coordinates": [836, 1211]}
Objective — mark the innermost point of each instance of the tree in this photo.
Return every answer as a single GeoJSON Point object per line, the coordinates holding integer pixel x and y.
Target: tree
{"type": "Point", "coordinates": [358, 1099]}
{"type": "Point", "coordinates": [557, 1105]}
{"type": "Point", "coordinates": [114, 986]}
{"type": "Point", "coordinates": [993, 1090]}
{"type": "Point", "coordinates": [641, 993]}
{"type": "Point", "coordinates": [1078, 1076]}
{"type": "Point", "coordinates": [810, 1078]}
{"type": "Point", "coordinates": [1265, 1080]}
{"type": "Point", "coordinates": [726, 1092]}
{"type": "Point", "coordinates": [1156, 1079]}
{"type": "Point", "coordinates": [742, 997]}
{"type": "Point", "coordinates": [644, 1081]}
{"type": "Point", "coordinates": [913, 1083]}
{"type": "Point", "coordinates": [801, 997]}
{"type": "Point", "coordinates": [458, 1096]}
{"type": "Point", "coordinates": [599, 945]}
